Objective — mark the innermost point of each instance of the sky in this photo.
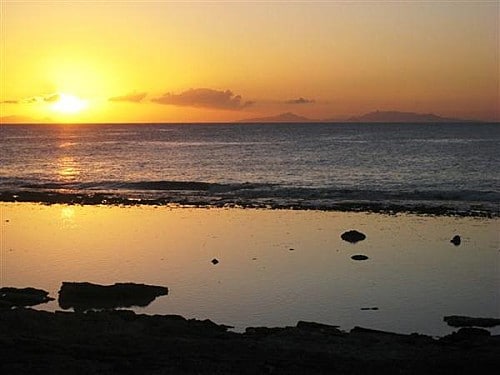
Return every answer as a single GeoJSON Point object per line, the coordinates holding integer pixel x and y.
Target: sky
{"type": "Point", "coordinates": [196, 61]}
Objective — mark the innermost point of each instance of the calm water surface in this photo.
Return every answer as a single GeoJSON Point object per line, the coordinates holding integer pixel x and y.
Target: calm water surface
{"type": "Point", "coordinates": [414, 275]}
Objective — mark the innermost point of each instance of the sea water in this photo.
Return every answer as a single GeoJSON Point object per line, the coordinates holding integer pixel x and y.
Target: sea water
{"type": "Point", "coordinates": [300, 165]}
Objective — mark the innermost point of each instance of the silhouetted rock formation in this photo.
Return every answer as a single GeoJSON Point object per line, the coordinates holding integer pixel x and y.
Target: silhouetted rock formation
{"type": "Point", "coordinates": [359, 257]}
{"type": "Point", "coordinates": [466, 321]}
{"type": "Point", "coordinates": [456, 240]}
{"type": "Point", "coordinates": [86, 296]}
{"type": "Point", "coordinates": [122, 342]}
{"type": "Point", "coordinates": [20, 297]}
{"type": "Point", "coordinates": [353, 236]}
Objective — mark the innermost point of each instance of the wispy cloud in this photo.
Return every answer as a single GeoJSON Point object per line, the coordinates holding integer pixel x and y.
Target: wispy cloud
{"type": "Point", "coordinates": [51, 98]}
{"type": "Point", "coordinates": [131, 98]}
{"type": "Point", "coordinates": [203, 97]}
{"type": "Point", "coordinates": [300, 100]}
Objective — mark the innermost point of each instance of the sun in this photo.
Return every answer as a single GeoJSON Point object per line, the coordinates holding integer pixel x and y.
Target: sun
{"type": "Point", "coordinates": [69, 104]}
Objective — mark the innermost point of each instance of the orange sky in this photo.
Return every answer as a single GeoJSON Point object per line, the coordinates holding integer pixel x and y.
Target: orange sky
{"type": "Point", "coordinates": [152, 61]}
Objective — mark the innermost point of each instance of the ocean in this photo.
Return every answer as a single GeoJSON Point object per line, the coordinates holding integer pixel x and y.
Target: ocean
{"type": "Point", "coordinates": [275, 266]}
{"type": "Point", "coordinates": [430, 168]}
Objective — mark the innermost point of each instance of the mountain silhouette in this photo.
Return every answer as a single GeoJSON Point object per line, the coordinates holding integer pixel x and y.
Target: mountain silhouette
{"type": "Point", "coordinates": [282, 117]}
{"type": "Point", "coordinates": [396, 116]}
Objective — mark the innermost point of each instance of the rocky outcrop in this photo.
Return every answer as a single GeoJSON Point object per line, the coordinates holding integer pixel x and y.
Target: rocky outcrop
{"type": "Point", "coordinates": [359, 257]}
{"type": "Point", "coordinates": [122, 342]}
{"type": "Point", "coordinates": [86, 296]}
{"type": "Point", "coordinates": [353, 236]}
{"type": "Point", "coordinates": [20, 297]}
{"type": "Point", "coordinates": [456, 240]}
{"type": "Point", "coordinates": [466, 321]}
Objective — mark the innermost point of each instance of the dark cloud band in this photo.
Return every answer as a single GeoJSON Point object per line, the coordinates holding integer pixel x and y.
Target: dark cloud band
{"type": "Point", "coordinates": [206, 98]}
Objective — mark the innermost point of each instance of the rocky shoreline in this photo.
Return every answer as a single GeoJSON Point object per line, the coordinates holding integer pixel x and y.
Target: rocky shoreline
{"type": "Point", "coordinates": [99, 198]}
{"type": "Point", "coordinates": [123, 342]}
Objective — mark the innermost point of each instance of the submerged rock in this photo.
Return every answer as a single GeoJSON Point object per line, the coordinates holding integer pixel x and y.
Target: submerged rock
{"type": "Point", "coordinates": [466, 321]}
{"type": "Point", "coordinates": [86, 296]}
{"type": "Point", "coordinates": [359, 257]}
{"type": "Point", "coordinates": [21, 297]}
{"type": "Point", "coordinates": [353, 236]}
{"type": "Point", "coordinates": [456, 240]}
{"type": "Point", "coordinates": [215, 261]}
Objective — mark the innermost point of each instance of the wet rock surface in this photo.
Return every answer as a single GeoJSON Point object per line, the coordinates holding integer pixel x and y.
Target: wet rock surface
{"type": "Point", "coordinates": [21, 297]}
{"type": "Point", "coordinates": [84, 296]}
{"type": "Point", "coordinates": [353, 236]}
{"type": "Point", "coordinates": [122, 342]}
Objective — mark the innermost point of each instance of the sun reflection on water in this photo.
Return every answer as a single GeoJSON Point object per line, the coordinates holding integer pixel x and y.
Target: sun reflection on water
{"type": "Point", "coordinates": [67, 213]}
{"type": "Point", "coordinates": [67, 169]}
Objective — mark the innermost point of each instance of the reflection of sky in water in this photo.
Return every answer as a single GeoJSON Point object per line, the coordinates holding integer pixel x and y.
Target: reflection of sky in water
{"type": "Point", "coordinates": [414, 275]}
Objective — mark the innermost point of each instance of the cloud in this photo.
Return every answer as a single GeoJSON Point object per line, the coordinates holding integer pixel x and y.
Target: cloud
{"type": "Point", "coordinates": [207, 98]}
{"type": "Point", "coordinates": [300, 100]}
{"type": "Point", "coordinates": [51, 98]}
{"type": "Point", "coordinates": [132, 98]}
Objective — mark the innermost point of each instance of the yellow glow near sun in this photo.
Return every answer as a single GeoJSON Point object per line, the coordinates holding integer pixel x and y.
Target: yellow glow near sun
{"type": "Point", "coordinates": [69, 104]}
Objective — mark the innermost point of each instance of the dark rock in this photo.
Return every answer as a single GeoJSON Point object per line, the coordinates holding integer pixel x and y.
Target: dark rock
{"type": "Point", "coordinates": [118, 342]}
{"type": "Point", "coordinates": [456, 240]}
{"type": "Point", "coordinates": [20, 297]}
{"type": "Point", "coordinates": [359, 257]}
{"type": "Point", "coordinates": [369, 308]}
{"type": "Point", "coordinates": [215, 261]}
{"type": "Point", "coordinates": [86, 296]}
{"type": "Point", "coordinates": [263, 331]}
{"type": "Point", "coordinates": [362, 330]}
{"type": "Point", "coordinates": [353, 236]}
{"type": "Point", "coordinates": [468, 334]}
{"type": "Point", "coordinates": [465, 321]}
{"type": "Point", "coordinates": [319, 328]}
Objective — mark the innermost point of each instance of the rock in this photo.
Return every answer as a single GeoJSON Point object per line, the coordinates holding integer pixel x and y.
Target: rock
{"type": "Point", "coordinates": [86, 296]}
{"type": "Point", "coordinates": [20, 297]}
{"type": "Point", "coordinates": [456, 240]}
{"type": "Point", "coordinates": [359, 257]}
{"type": "Point", "coordinates": [263, 331]}
{"type": "Point", "coordinates": [369, 308]}
{"type": "Point", "coordinates": [319, 328]}
{"type": "Point", "coordinates": [467, 334]}
{"type": "Point", "coordinates": [465, 321]}
{"type": "Point", "coordinates": [362, 330]}
{"type": "Point", "coordinates": [353, 236]}
{"type": "Point", "coordinates": [215, 261]}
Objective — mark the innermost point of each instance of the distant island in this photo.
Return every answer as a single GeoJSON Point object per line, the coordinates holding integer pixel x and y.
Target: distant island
{"type": "Point", "coordinates": [376, 116]}
{"type": "Point", "coordinates": [396, 116]}
{"type": "Point", "coordinates": [282, 117]}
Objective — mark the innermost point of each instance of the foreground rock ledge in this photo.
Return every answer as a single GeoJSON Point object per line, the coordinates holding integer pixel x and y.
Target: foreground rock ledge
{"type": "Point", "coordinates": [122, 342]}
